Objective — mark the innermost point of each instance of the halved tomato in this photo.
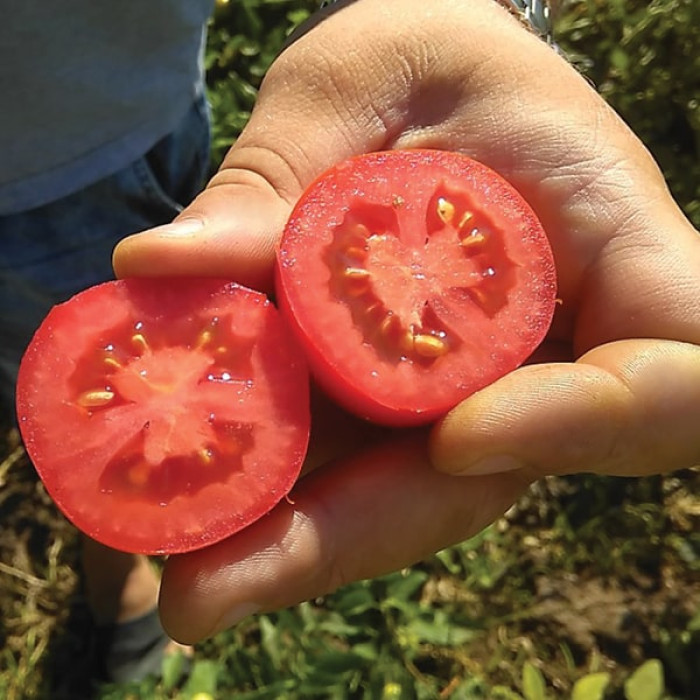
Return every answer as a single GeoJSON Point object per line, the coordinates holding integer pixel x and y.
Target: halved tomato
{"type": "Point", "coordinates": [164, 415]}
{"type": "Point", "coordinates": [414, 278]}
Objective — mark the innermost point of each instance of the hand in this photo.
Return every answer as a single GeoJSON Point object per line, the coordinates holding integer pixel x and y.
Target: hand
{"type": "Point", "coordinates": [616, 386]}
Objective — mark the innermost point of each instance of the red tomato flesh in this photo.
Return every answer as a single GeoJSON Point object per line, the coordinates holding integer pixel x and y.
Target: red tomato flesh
{"type": "Point", "coordinates": [413, 279]}
{"type": "Point", "coordinates": [164, 415]}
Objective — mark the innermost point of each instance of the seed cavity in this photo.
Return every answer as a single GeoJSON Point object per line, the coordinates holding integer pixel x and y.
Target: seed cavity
{"type": "Point", "coordinates": [356, 254]}
{"type": "Point", "coordinates": [356, 235]}
{"type": "Point", "coordinates": [408, 321]}
{"type": "Point", "coordinates": [138, 474]}
{"type": "Point", "coordinates": [417, 338]}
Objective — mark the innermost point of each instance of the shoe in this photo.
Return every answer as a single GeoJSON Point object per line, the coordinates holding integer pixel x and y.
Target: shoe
{"type": "Point", "coordinates": [130, 651]}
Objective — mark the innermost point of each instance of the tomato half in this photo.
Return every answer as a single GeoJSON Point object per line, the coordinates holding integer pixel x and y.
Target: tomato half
{"type": "Point", "coordinates": [164, 415]}
{"type": "Point", "coordinates": [414, 278]}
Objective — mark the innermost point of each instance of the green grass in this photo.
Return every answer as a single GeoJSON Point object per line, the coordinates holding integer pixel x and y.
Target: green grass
{"type": "Point", "coordinates": [585, 576]}
{"type": "Point", "coordinates": [588, 585]}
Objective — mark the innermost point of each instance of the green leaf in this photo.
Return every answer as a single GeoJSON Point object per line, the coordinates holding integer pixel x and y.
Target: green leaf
{"type": "Point", "coordinates": [591, 687]}
{"type": "Point", "coordinates": [476, 688]}
{"type": "Point", "coordinates": [270, 639]}
{"type": "Point", "coordinates": [334, 663]}
{"type": "Point", "coordinates": [338, 627]}
{"type": "Point", "coordinates": [694, 624]}
{"type": "Point", "coordinates": [275, 691]}
{"type": "Point", "coordinates": [402, 586]}
{"type": "Point", "coordinates": [297, 16]}
{"type": "Point", "coordinates": [367, 651]}
{"type": "Point", "coordinates": [619, 59]}
{"type": "Point", "coordinates": [354, 600]}
{"type": "Point", "coordinates": [534, 686]}
{"type": "Point", "coordinates": [437, 631]}
{"type": "Point", "coordinates": [203, 679]}
{"type": "Point", "coordinates": [647, 682]}
{"type": "Point", "coordinates": [172, 669]}
{"type": "Point", "coordinates": [501, 692]}
{"type": "Point", "coordinates": [447, 557]}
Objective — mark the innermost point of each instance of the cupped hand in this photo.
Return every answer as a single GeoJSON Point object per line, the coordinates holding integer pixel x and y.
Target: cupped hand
{"type": "Point", "coordinates": [614, 389]}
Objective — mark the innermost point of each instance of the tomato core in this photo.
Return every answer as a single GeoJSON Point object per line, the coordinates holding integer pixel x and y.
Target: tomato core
{"type": "Point", "coordinates": [141, 367]}
{"type": "Point", "coordinates": [391, 281]}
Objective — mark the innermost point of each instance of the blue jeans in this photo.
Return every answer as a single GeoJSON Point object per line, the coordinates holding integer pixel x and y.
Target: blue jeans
{"type": "Point", "coordinates": [50, 253]}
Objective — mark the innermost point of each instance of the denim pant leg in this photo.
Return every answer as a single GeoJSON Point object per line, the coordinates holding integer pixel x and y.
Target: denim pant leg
{"type": "Point", "coordinates": [50, 253]}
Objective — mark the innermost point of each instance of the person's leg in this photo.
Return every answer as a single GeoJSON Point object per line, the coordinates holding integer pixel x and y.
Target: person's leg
{"type": "Point", "coordinates": [119, 587]}
{"type": "Point", "coordinates": [51, 253]}
{"type": "Point", "coordinates": [122, 594]}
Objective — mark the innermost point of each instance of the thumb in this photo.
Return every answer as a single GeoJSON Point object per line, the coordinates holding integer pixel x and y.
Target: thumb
{"type": "Point", "coordinates": [228, 231]}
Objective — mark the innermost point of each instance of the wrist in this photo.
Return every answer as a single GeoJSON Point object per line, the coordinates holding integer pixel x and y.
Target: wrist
{"type": "Point", "coordinates": [534, 14]}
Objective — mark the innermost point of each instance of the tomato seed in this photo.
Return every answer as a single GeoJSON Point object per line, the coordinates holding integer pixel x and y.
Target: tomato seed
{"type": "Point", "coordinates": [474, 239]}
{"type": "Point", "coordinates": [139, 340]}
{"type": "Point", "coordinates": [205, 456]}
{"type": "Point", "coordinates": [203, 339]}
{"type": "Point", "coordinates": [95, 398]}
{"type": "Point", "coordinates": [465, 219]}
{"type": "Point", "coordinates": [406, 342]}
{"type": "Point", "coordinates": [357, 281]}
{"type": "Point", "coordinates": [390, 325]}
{"type": "Point", "coordinates": [429, 346]}
{"type": "Point", "coordinates": [445, 210]}
{"type": "Point", "coordinates": [375, 312]}
{"type": "Point", "coordinates": [356, 273]}
{"type": "Point", "coordinates": [112, 363]}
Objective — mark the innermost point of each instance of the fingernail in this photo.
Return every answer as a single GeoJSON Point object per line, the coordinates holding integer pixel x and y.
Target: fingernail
{"type": "Point", "coordinates": [234, 615]}
{"type": "Point", "coordinates": [492, 464]}
{"type": "Point", "coordinates": [179, 228]}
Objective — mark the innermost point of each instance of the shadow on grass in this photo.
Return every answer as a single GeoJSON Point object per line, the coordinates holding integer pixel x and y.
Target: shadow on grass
{"type": "Point", "coordinates": [68, 663]}
{"type": "Point", "coordinates": [46, 627]}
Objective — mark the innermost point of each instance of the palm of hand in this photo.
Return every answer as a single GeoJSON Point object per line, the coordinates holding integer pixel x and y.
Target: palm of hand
{"type": "Point", "coordinates": [614, 388]}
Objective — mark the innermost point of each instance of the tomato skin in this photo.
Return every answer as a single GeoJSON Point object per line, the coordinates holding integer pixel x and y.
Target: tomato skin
{"type": "Point", "coordinates": [164, 415]}
{"type": "Point", "coordinates": [453, 272]}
